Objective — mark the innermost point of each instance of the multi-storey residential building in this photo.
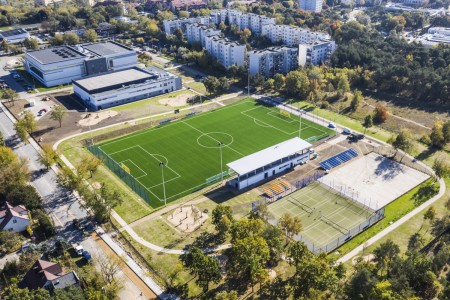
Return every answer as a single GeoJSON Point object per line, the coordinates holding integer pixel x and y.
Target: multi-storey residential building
{"type": "Point", "coordinates": [171, 25]}
{"type": "Point", "coordinates": [414, 2]}
{"type": "Point", "coordinates": [227, 53]}
{"type": "Point", "coordinates": [315, 53]}
{"type": "Point", "coordinates": [311, 5]}
{"type": "Point", "coordinates": [197, 32]}
{"type": "Point", "coordinates": [273, 60]}
{"type": "Point", "coordinates": [176, 5]}
{"type": "Point", "coordinates": [253, 22]}
{"type": "Point", "coordinates": [290, 35]}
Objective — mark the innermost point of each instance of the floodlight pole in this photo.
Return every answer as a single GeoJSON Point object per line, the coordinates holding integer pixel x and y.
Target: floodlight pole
{"type": "Point", "coordinates": [221, 165]}
{"type": "Point", "coordinates": [300, 119]}
{"type": "Point", "coordinates": [162, 165]}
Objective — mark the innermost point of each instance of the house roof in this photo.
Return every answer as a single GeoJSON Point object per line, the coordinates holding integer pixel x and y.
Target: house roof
{"type": "Point", "coordinates": [66, 280]}
{"type": "Point", "coordinates": [269, 155]}
{"type": "Point", "coordinates": [8, 212]}
{"type": "Point", "coordinates": [40, 273]}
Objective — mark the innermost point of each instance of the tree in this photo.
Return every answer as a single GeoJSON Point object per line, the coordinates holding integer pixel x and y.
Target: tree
{"type": "Point", "coordinates": [14, 293]}
{"type": "Point", "coordinates": [58, 113]}
{"type": "Point", "coordinates": [183, 14]}
{"type": "Point", "coordinates": [263, 210]}
{"type": "Point", "coordinates": [10, 95]}
{"type": "Point", "coordinates": [385, 254]}
{"type": "Point", "coordinates": [403, 141]}
{"type": "Point", "coordinates": [69, 293]}
{"type": "Point", "coordinates": [222, 218]}
{"type": "Point", "coordinates": [380, 114]}
{"type": "Point", "coordinates": [279, 81]}
{"type": "Point", "coordinates": [57, 40]}
{"type": "Point", "coordinates": [368, 122]}
{"type": "Point", "coordinates": [416, 242]}
{"type": "Point", "coordinates": [441, 168]}
{"type": "Point", "coordinates": [205, 267]}
{"type": "Point", "coordinates": [2, 140]}
{"type": "Point", "coordinates": [446, 132]}
{"type": "Point", "coordinates": [224, 85]}
{"type": "Point", "coordinates": [356, 101]}
{"type": "Point", "coordinates": [13, 170]}
{"type": "Point", "coordinates": [9, 241]}
{"type": "Point", "coordinates": [109, 268]}
{"type": "Point", "coordinates": [25, 195]}
{"type": "Point", "coordinates": [90, 35]}
{"type": "Point", "coordinates": [212, 84]}
{"type": "Point", "coordinates": [88, 164]}
{"type": "Point", "coordinates": [343, 84]}
{"type": "Point", "coordinates": [31, 43]}
{"type": "Point", "coordinates": [48, 156]}
{"type": "Point", "coordinates": [437, 134]}
{"type": "Point", "coordinates": [290, 225]}
{"type": "Point", "coordinates": [101, 203]}
{"type": "Point", "coordinates": [297, 84]}
{"type": "Point", "coordinates": [430, 214]}
{"type": "Point", "coordinates": [224, 295]}
{"type": "Point", "coordinates": [361, 285]}
{"type": "Point", "coordinates": [71, 38]}
{"type": "Point", "coordinates": [25, 126]}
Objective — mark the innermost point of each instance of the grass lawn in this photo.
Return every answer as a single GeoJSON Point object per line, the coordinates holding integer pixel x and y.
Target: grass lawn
{"type": "Point", "coordinates": [393, 211]}
{"type": "Point", "coordinates": [243, 128]}
{"type": "Point", "coordinates": [197, 86]}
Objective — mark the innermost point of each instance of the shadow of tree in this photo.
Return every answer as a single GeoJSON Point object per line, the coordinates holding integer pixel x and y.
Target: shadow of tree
{"type": "Point", "coordinates": [424, 193]}
{"type": "Point", "coordinates": [427, 153]}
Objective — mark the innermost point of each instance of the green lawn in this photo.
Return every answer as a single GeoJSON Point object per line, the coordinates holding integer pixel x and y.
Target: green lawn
{"type": "Point", "coordinates": [189, 148]}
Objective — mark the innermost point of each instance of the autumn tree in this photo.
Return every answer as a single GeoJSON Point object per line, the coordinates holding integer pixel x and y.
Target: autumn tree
{"type": "Point", "coordinates": [25, 126]}
{"type": "Point", "coordinates": [380, 114]}
{"type": "Point", "coordinates": [290, 225]}
{"type": "Point", "coordinates": [297, 84]}
{"type": "Point", "coordinates": [437, 136]}
{"type": "Point", "coordinates": [14, 171]}
{"type": "Point", "coordinates": [10, 95]}
{"type": "Point", "coordinates": [48, 156]}
{"type": "Point", "coordinates": [90, 35]}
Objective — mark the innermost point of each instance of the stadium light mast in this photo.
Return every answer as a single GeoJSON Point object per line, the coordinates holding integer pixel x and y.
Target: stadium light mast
{"type": "Point", "coordinates": [300, 119]}
{"type": "Point", "coordinates": [221, 165]}
{"type": "Point", "coordinates": [162, 165]}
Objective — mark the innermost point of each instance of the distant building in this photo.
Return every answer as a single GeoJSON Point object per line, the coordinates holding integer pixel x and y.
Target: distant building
{"type": "Point", "coordinates": [228, 53]}
{"type": "Point", "coordinates": [60, 65]}
{"type": "Point", "coordinates": [105, 29]}
{"type": "Point", "coordinates": [315, 53]}
{"type": "Point", "coordinates": [292, 36]}
{"type": "Point", "coordinates": [14, 218]}
{"type": "Point", "coordinates": [435, 35]}
{"type": "Point", "coordinates": [14, 36]}
{"type": "Point", "coordinates": [48, 275]}
{"type": "Point", "coordinates": [253, 22]}
{"type": "Point", "coordinates": [170, 26]}
{"type": "Point", "coordinates": [311, 5]}
{"type": "Point", "coordinates": [112, 89]}
{"type": "Point", "coordinates": [46, 2]}
{"type": "Point", "coordinates": [439, 30]}
{"type": "Point", "coordinates": [415, 2]}
{"type": "Point", "coordinates": [197, 33]}
{"type": "Point", "coordinates": [176, 5]}
{"type": "Point", "coordinates": [127, 20]}
{"type": "Point", "coordinates": [273, 60]}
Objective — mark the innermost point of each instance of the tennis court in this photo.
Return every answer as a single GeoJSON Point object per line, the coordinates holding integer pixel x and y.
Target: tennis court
{"type": "Point", "coordinates": [325, 215]}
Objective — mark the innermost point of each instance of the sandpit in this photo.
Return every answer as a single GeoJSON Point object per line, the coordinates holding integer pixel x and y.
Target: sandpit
{"type": "Point", "coordinates": [180, 100]}
{"type": "Point", "coordinates": [187, 218]}
{"type": "Point", "coordinates": [91, 119]}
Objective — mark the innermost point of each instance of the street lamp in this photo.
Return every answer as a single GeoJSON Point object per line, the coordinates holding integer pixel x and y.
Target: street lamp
{"type": "Point", "coordinates": [162, 165]}
{"type": "Point", "coordinates": [221, 168]}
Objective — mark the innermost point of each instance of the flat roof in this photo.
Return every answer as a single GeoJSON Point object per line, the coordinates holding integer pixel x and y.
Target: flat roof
{"type": "Point", "coordinates": [12, 32]}
{"type": "Point", "coordinates": [55, 54]}
{"type": "Point", "coordinates": [269, 155]}
{"type": "Point", "coordinates": [107, 48]}
{"type": "Point", "coordinates": [113, 79]}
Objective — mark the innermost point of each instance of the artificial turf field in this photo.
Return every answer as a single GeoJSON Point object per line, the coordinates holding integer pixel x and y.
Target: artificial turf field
{"type": "Point", "coordinates": [190, 147]}
{"type": "Point", "coordinates": [325, 215]}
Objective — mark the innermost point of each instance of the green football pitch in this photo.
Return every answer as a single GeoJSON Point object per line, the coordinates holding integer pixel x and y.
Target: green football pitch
{"type": "Point", "coordinates": [189, 148]}
{"type": "Point", "coordinates": [325, 215]}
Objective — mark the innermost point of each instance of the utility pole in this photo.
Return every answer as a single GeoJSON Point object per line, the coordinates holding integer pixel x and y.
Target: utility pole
{"type": "Point", "coordinates": [300, 121]}
{"type": "Point", "coordinates": [162, 165]}
{"type": "Point", "coordinates": [221, 165]}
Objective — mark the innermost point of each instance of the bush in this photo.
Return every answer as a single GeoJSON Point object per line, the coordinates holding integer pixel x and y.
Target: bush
{"type": "Point", "coordinates": [425, 139]}
{"type": "Point", "coordinates": [10, 241]}
{"type": "Point", "coordinates": [24, 195]}
{"type": "Point", "coordinates": [45, 228]}
{"type": "Point", "coordinates": [324, 104]}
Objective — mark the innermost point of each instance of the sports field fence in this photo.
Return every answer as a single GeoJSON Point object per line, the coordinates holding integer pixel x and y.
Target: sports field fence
{"type": "Point", "coordinates": [345, 237]}
{"type": "Point", "coordinates": [119, 171]}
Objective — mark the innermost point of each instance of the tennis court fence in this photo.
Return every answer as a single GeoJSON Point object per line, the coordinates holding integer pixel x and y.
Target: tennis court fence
{"type": "Point", "coordinates": [347, 236]}
{"type": "Point", "coordinates": [119, 171]}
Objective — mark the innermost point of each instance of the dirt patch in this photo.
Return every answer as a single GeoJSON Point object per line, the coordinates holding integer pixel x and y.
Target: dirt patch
{"type": "Point", "coordinates": [180, 100]}
{"type": "Point", "coordinates": [367, 258]}
{"type": "Point", "coordinates": [187, 218]}
{"type": "Point", "coordinates": [90, 119]}
{"type": "Point", "coordinates": [272, 274]}
{"type": "Point", "coordinates": [96, 185]}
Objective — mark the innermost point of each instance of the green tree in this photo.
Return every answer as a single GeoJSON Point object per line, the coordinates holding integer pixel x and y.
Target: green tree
{"type": "Point", "coordinates": [2, 140]}
{"type": "Point", "coordinates": [57, 40]}
{"type": "Point", "coordinates": [10, 95]}
{"type": "Point", "coordinates": [25, 126]}
{"type": "Point", "coordinates": [24, 195]}
{"type": "Point", "coordinates": [297, 84]}
{"type": "Point", "coordinates": [361, 285]}
{"type": "Point", "coordinates": [88, 165]}
{"type": "Point", "coordinates": [437, 134]}
{"type": "Point", "coordinates": [58, 113]}
{"type": "Point", "coordinates": [356, 101]}
{"type": "Point", "coordinates": [212, 84]}
{"type": "Point", "coordinates": [368, 122]}
{"type": "Point", "coordinates": [279, 81]}
{"type": "Point", "coordinates": [14, 293]}
{"type": "Point", "coordinates": [385, 254]}
{"type": "Point", "coordinates": [222, 218]}
{"type": "Point", "coordinates": [13, 170]}
{"type": "Point", "coordinates": [48, 156]}
{"type": "Point", "coordinates": [183, 14]}
{"type": "Point", "coordinates": [343, 85]}
{"type": "Point", "coordinates": [416, 242]}
{"type": "Point", "coordinates": [446, 132]}
{"type": "Point", "coordinates": [31, 43]}
{"type": "Point", "coordinates": [90, 35]}
{"type": "Point", "coordinates": [224, 295]}
{"type": "Point", "coordinates": [403, 141]}
{"type": "Point", "coordinates": [71, 38]}
{"type": "Point", "coordinates": [69, 293]}
{"type": "Point", "coordinates": [441, 168]}
{"type": "Point", "coordinates": [290, 225]}
{"type": "Point", "coordinates": [224, 84]}
{"type": "Point", "coordinates": [9, 241]}
{"type": "Point", "coordinates": [204, 267]}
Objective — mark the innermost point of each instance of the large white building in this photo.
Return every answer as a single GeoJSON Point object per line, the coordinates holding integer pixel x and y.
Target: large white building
{"type": "Point", "coordinates": [315, 53]}
{"type": "Point", "coordinates": [414, 2]}
{"type": "Point", "coordinates": [227, 52]}
{"type": "Point", "coordinates": [273, 60]}
{"type": "Point", "coordinates": [197, 32]}
{"type": "Point", "coordinates": [253, 22]}
{"type": "Point", "coordinates": [60, 65]}
{"type": "Point", "coordinates": [46, 2]}
{"type": "Point", "coordinates": [170, 26]}
{"type": "Point", "coordinates": [292, 36]}
{"type": "Point", "coordinates": [14, 36]}
{"type": "Point", "coordinates": [111, 89]}
{"type": "Point", "coordinates": [311, 5]}
{"type": "Point", "coordinates": [269, 162]}
{"type": "Point", "coordinates": [439, 30]}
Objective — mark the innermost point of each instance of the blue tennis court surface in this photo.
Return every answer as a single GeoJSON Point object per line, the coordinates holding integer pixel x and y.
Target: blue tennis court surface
{"type": "Point", "coordinates": [338, 159]}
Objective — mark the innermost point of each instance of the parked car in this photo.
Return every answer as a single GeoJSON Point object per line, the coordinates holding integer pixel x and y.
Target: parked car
{"type": "Point", "coordinates": [346, 131]}
{"type": "Point", "coordinates": [331, 125]}
{"type": "Point", "coordinates": [87, 256]}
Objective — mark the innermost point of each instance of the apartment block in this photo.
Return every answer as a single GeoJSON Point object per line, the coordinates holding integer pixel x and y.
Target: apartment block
{"type": "Point", "coordinates": [253, 22]}
{"type": "Point", "coordinates": [311, 5]}
{"type": "Point", "coordinates": [197, 32]}
{"type": "Point", "coordinates": [273, 60]}
{"type": "Point", "coordinates": [315, 53]}
{"type": "Point", "coordinates": [292, 36]}
{"type": "Point", "coordinates": [170, 26]}
{"type": "Point", "coordinates": [227, 52]}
